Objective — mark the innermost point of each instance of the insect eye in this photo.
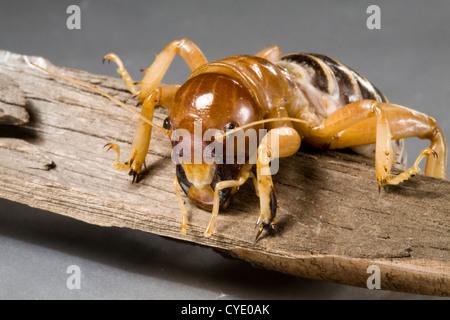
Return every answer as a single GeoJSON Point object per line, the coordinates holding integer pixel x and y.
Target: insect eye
{"type": "Point", "coordinates": [230, 126]}
{"type": "Point", "coordinates": [166, 124]}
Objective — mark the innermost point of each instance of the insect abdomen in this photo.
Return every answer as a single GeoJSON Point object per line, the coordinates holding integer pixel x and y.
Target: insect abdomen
{"type": "Point", "coordinates": [344, 85]}
{"type": "Point", "coordinates": [335, 78]}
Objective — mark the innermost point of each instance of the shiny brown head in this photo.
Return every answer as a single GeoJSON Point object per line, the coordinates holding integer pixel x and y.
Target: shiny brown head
{"type": "Point", "coordinates": [206, 103]}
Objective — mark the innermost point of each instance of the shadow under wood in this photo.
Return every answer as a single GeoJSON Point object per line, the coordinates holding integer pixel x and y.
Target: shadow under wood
{"type": "Point", "coordinates": [147, 255]}
{"type": "Point", "coordinates": [23, 132]}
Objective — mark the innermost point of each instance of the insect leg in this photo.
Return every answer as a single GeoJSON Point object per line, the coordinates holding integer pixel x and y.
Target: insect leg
{"type": "Point", "coordinates": [367, 121]}
{"type": "Point", "coordinates": [177, 187]}
{"type": "Point", "coordinates": [243, 176]}
{"type": "Point", "coordinates": [405, 123]}
{"type": "Point", "coordinates": [277, 143]}
{"type": "Point", "coordinates": [190, 53]}
{"type": "Point", "coordinates": [141, 141]}
{"type": "Point", "coordinates": [273, 54]}
{"type": "Point", "coordinates": [121, 71]}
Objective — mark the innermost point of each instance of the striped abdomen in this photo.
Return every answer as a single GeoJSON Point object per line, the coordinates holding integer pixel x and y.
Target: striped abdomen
{"type": "Point", "coordinates": [333, 78]}
{"type": "Point", "coordinates": [340, 84]}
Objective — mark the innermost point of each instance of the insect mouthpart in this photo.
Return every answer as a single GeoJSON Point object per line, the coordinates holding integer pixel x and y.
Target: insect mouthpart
{"type": "Point", "coordinates": [200, 177]}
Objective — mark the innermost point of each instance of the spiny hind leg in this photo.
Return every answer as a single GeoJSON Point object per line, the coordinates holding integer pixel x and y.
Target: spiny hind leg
{"type": "Point", "coordinates": [142, 136]}
{"type": "Point", "coordinates": [405, 175]}
{"type": "Point", "coordinates": [405, 123]}
{"type": "Point", "coordinates": [367, 121]}
{"type": "Point", "coordinates": [400, 154]}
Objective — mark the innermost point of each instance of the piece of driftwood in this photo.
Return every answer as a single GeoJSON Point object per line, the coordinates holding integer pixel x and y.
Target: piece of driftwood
{"type": "Point", "coordinates": [332, 222]}
{"type": "Point", "coordinates": [12, 102]}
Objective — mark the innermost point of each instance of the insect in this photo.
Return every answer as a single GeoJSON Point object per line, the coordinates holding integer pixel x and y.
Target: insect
{"type": "Point", "coordinates": [297, 97]}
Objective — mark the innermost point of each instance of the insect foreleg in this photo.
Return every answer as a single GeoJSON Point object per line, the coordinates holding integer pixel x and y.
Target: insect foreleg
{"type": "Point", "coordinates": [121, 71]}
{"type": "Point", "coordinates": [142, 136]}
{"type": "Point", "coordinates": [277, 143]}
{"type": "Point", "coordinates": [243, 176]}
{"type": "Point", "coordinates": [177, 187]}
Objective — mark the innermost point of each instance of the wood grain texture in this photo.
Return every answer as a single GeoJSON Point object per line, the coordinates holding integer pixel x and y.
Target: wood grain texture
{"type": "Point", "coordinates": [332, 222]}
{"type": "Point", "coordinates": [12, 102]}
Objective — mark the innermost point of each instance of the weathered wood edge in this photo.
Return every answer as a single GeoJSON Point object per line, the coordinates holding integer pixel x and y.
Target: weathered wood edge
{"type": "Point", "coordinates": [428, 276]}
{"type": "Point", "coordinates": [334, 268]}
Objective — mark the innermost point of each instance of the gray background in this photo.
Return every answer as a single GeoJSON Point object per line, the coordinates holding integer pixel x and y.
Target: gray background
{"type": "Point", "coordinates": [408, 59]}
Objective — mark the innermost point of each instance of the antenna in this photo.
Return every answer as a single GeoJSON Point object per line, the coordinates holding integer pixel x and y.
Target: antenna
{"type": "Point", "coordinates": [220, 136]}
{"type": "Point", "coordinates": [123, 105]}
